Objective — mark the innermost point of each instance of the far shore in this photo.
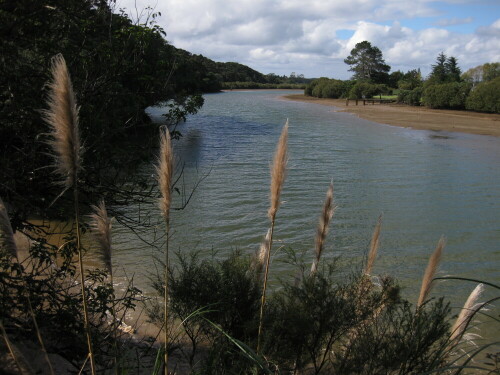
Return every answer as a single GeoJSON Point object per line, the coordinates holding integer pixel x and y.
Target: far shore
{"type": "Point", "coordinates": [414, 117]}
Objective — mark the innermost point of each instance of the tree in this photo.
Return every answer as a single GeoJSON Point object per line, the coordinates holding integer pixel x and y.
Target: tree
{"type": "Point", "coordinates": [438, 73]}
{"type": "Point", "coordinates": [366, 62]}
{"type": "Point", "coordinates": [411, 80]}
{"type": "Point", "coordinates": [445, 70]}
{"type": "Point", "coordinates": [453, 71]}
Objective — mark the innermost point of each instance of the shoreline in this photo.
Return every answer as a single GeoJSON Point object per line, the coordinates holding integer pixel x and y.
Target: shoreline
{"type": "Point", "coordinates": [419, 118]}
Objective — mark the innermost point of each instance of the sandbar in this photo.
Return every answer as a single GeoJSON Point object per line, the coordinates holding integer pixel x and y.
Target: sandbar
{"type": "Point", "coordinates": [406, 116]}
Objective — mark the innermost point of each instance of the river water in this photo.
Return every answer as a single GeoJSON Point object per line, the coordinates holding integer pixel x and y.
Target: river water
{"type": "Point", "coordinates": [425, 184]}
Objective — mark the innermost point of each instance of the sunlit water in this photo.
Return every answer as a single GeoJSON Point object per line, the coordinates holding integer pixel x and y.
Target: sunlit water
{"type": "Point", "coordinates": [426, 184]}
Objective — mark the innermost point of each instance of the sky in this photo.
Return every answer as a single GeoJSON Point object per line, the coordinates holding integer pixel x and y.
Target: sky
{"type": "Point", "coordinates": [313, 37]}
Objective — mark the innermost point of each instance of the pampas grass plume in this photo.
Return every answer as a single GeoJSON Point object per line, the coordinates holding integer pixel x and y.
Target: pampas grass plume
{"type": "Point", "coordinates": [374, 244]}
{"type": "Point", "coordinates": [466, 314]}
{"type": "Point", "coordinates": [7, 243]}
{"type": "Point", "coordinates": [165, 170]}
{"type": "Point", "coordinates": [322, 231]}
{"type": "Point", "coordinates": [101, 229]}
{"type": "Point", "coordinates": [430, 272]}
{"type": "Point", "coordinates": [278, 172]}
{"type": "Point", "coordinates": [263, 252]}
{"type": "Point", "coordinates": [62, 117]}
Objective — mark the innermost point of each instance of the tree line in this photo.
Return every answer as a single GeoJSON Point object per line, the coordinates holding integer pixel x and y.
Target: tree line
{"type": "Point", "coordinates": [478, 89]}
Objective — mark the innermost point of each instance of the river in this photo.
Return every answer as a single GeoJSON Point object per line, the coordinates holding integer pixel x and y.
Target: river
{"type": "Point", "coordinates": [425, 184]}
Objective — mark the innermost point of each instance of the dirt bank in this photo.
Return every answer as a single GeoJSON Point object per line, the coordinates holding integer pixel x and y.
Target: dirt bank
{"type": "Point", "coordinates": [414, 117]}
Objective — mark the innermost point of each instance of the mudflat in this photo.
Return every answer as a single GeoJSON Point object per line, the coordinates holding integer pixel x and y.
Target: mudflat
{"type": "Point", "coordinates": [414, 117]}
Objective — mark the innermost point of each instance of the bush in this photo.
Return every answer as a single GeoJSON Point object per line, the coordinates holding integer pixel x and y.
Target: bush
{"type": "Point", "coordinates": [224, 293]}
{"type": "Point", "coordinates": [328, 88]}
{"type": "Point", "coordinates": [446, 95]}
{"type": "Point", "coordinates": [305, 322]}
{"type": "Point", "coordinates": [411, 97]}
{"type": "Point", "coordinates": [365, 90]}
{"type": "Point", "coordinates": [485, 97]}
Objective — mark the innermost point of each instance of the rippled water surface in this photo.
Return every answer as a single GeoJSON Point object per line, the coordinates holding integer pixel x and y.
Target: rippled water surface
{"type": "Point", "coordinates": [426, 184]}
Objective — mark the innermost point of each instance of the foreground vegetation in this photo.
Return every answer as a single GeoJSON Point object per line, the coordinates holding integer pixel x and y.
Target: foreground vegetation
{"type": "Point", "coordinates": [218, 313]}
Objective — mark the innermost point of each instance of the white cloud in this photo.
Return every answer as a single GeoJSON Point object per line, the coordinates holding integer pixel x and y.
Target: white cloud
{"type": "Point", "coordinates": [281, 36]}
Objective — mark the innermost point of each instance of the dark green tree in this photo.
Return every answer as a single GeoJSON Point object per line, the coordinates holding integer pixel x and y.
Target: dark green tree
{"type": "Point", "coordinates": [410, 80]}
{"type": "Point", "coordinates": [438, 73]}
{"type": "Point", "coordinates": [453, 71]}
{"type": "Point", "coordinates": [367, 63]}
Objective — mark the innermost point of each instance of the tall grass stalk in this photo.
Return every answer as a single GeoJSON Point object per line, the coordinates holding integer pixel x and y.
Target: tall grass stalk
{"type": "Point", "coordinates": [430, 272]}
{"type": "Point", "coordinates": [278, 173]}
{"type": "Point", "coordinates": [463, 320]}
{"type": "Point", "coordinates": [8, 244]}
{"type": "Point", "coordinates": [165, 169]}
{"type": "Point", "coordinates": [62, 117]}
{"type": "Point", "coordinates": [322, 231]}
{"type": "Point", "coordinates": [101, 229]}
{"type": "Point", "coordinates": [374, 244]}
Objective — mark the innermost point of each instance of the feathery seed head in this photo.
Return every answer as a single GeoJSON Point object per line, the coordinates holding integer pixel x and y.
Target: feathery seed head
{"type": "Point", "coordinates": [7, 243]}
{"type": "Point", "coordinates": [278, 172]}
{"type": "Point", "coordinates": [62, 117]}
{"type": "Point", "coordinates": [466, 314]}
{"type": "Point", "coordinates": [264, 250]}
{"type": "Point", "coordinates": [430, 272]}
{"type": "Point", "coordinates": [372, 253]}
{"type": "Point", "coordinates": [101, 229]}
{"type": "Point", "coordinates": [165, 170]}
{"type": "Point", "coordinates": [322, 231]}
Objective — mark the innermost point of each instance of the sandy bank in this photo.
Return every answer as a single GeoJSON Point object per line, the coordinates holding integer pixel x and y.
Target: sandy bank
{"type": "Point", "coordinates": [415, 117]}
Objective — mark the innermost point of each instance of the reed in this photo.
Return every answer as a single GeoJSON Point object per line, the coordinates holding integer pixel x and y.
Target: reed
{"type": "Point", "coordinates": [322, 231]}
{"type": "Point", "coordinates": [278, 174]}
{"type": "Point", "coordinates": [100, 225]}
{"type": "Point", "coordinates": [430, 272]}
{"type": "Point", "coordinates": [101, 229]}
{"type": "Point", "coordinates": [374, 244]}
{"type": "Point", "coordinates": [62, 118]}
{"type": "Point", "coordinates": [165, 169]}
{"type": "Point", "coordinates": [466, 314]}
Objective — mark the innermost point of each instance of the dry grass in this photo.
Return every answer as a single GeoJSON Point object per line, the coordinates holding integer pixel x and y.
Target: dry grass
{"type": "Point", "coordinates": [374, 244]}
{"type": "Point", "coordinates": [62, 117]}
{"type": "Point", "coordinates": [165, 170]}
{"type": "Point", "coordinates": [465, 315]}
{"type": "Point", "coordinates": [278, 172]}
{"type": "Point", "coordinates": [101, 229]}
{"type": "Point", "coordinates": [322, 231]}
{"type": "Point", "coordinates": [430, 272]}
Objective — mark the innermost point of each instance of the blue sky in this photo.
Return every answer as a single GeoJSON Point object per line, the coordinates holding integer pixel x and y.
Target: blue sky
{"type": "Point", "coordinates": [313, 37]}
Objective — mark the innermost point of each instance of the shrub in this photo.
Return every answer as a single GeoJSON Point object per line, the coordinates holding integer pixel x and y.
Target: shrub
{"type": "Point", "coordinates": [224, 293]}
{"type": "Point", "coordinates": [446, 95]}
{"type": "Point", "coordinates": [306, 321]}
{"type": "Point", "coordinates": [328, 88]}
{"type": "Point", "coordinates": [411, 97]}
{"type": "Point", "coordinates": [365, 90]}
{"type": "Point", "coordinates": [485, 97]}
